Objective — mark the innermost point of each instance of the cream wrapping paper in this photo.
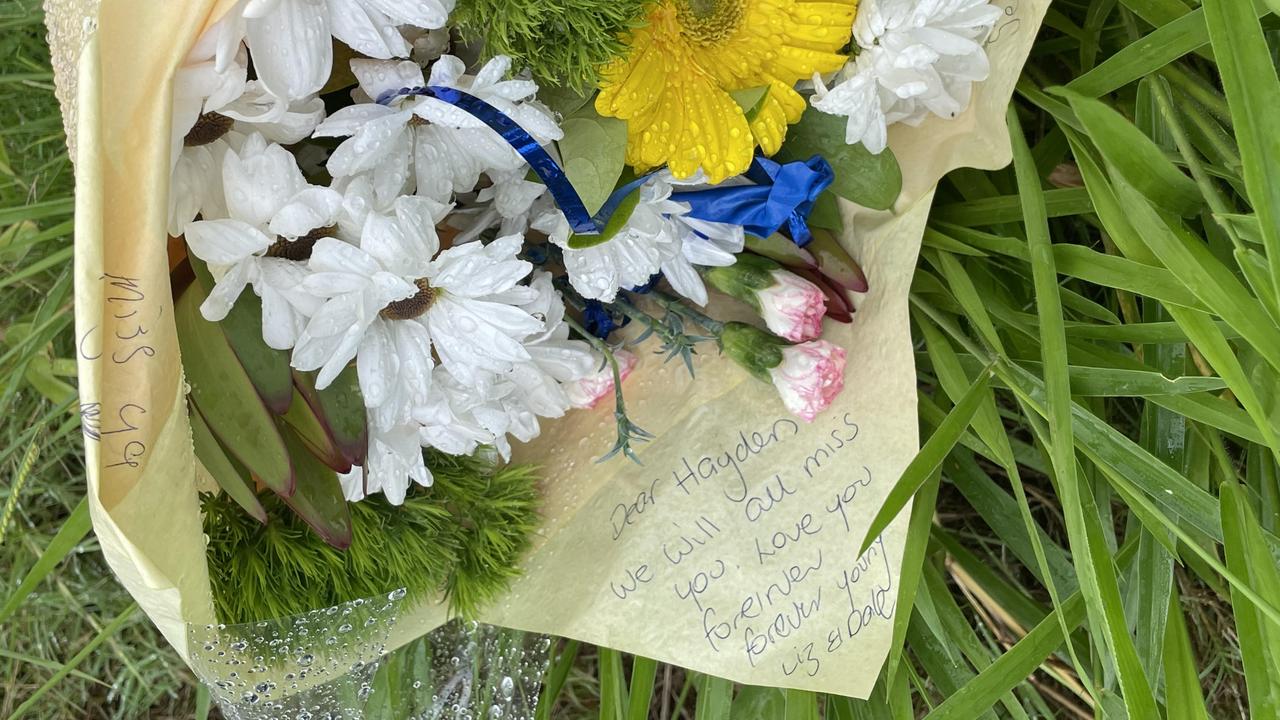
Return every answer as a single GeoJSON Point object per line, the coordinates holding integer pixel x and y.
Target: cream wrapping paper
{"type": "Point", "coordinates": [730, 551]}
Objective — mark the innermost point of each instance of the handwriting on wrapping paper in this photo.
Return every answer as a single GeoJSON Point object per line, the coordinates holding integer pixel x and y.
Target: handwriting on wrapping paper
{"type": "Point", "coordinates": [122, 340]}
{"type": "Point", "coordinates": [774, 606]}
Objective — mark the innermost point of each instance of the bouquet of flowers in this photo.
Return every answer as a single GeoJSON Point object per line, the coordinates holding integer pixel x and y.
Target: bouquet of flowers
{"type": "Point", "coordinates": [450, 283]}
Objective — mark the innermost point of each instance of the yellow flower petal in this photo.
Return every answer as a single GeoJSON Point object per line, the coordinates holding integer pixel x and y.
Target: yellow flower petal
{"type": "Point", "coordinates": [673, 87]}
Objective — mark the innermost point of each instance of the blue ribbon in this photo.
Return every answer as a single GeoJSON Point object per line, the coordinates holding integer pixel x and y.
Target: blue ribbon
{"type": "Point", "coordinates": [781, 194]}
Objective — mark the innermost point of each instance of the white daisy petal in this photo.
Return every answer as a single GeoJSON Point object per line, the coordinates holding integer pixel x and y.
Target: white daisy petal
{"type": "Point", "coordinates": [223, 242]}
{"type": "Point", "coordinates": [291, 48]}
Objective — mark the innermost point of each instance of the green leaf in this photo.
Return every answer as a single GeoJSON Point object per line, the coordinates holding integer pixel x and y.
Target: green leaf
{"type": "Point", "coordinates": [553, 681]}
{"type": "Point", "coordinates": [873, 181]}
{"type": "Point", "coordinates": [751, 100]}
{"type": "Point", "coordinates": [759, 703]}
{"type": "Point", "coordinates": [1008, 208]}
{"type": "Point", "coordinates": [592, 153]}
{"type": "Point", "coordinates": [1145, 55]}
{"type": "Point", "coordinates": [613, 686]}
{"type": "Point", "coordinates": [318, 498]}
{"type": "Point", "coordinates": [1136, 156]}
{"type": "Point", "coordinates": [1183, 699]}
{"type": "Point", "coordinates": [102, 636]}
{"type": "Point", "coordinates": [304, 421]}
{"type": "Point", "coordinates": [927, 461]}
{"type": "Point", "coordinates": [1253, 94]}
{"type": "Point", "coordinates": [73, 529]}
{"type": "Point", "coordinates": [922, 512]}
{"type": "Point", "coordinates": [1248, 556]}
{"type": "Point", "coordinates": [715, 698]}
{"type": "Point", "coordinates": [225, 397]}
{"type": "Point", "coordinates": [617, 221]}
{"type": "Point", "coordinates": [1195, 266]}
{"type": "Point", "coordinates": [780, 249]}
{"type": "Point", "coordinates": [340, 408]}
{"type": "Point", "coordinates": [643, 672]}
{"type": "Point", "coordinates": [800, 705]}
{"type": "Point", "coordinates": [1095, 582]}
{"type": "Point", "coordinates": [224, 472]}
{"type": "Point", "coordinates": [1022, 660]}
{"type": "Point", "coordinates": [267, 368]}
{"type": "Point", "coordinates": [562, 100]}
{"type": "Point", "coordinates": [826, 213]}
{"type": "Point", "coordinates": [835, 262]}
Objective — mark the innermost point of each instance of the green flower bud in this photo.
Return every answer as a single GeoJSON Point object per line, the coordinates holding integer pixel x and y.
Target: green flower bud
{"type": "Point", "coordinates": [756, 350]}
{"type": "Point", "coordinates": [745, 278]}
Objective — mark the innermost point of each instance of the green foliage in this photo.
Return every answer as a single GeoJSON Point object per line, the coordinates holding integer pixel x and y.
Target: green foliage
{"type": "Point", "coordinates": [592, 153]}
{"type": "Point", "coordinates": [462, 538]}
{"type": "Point", "coordinates": [873, 181]}
{"type": "Point", "coordinates": [564, 42]}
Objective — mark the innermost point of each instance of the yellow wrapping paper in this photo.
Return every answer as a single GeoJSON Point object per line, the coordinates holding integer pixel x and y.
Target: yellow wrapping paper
{"type": "Point", "coordinates": [731, 551]}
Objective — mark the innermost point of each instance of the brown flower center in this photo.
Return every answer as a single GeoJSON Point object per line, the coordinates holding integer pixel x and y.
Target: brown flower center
{"type": "Point", "coordinates": [413, 306]}
{"type": "Point", "coordinates": [299, 250]}
{"type": "Point", "coordinates": [208, 128]}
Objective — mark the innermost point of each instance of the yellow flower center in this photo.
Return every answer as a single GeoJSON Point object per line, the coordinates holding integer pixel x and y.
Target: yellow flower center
{"type": "Point", "coordinates": [709, 21]}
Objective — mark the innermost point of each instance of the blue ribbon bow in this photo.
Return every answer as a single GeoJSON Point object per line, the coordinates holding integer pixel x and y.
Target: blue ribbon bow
{"type": "Point", "coordinates": [780, 193]}
{"type": "Point", "coordinates": [783, 194]}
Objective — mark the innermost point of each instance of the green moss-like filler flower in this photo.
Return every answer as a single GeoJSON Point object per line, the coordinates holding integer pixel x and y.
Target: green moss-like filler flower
{"type": "Point", "coordinates": [564, 42]}
{"type": "Point", "coordinates": [462, 537]}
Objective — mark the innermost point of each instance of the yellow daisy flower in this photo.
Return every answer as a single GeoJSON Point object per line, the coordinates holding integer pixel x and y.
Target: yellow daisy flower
{"type": "Point", "coordinates": [673, 87]}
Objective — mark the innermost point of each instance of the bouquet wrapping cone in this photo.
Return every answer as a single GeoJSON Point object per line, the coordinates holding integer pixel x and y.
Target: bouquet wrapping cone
{"type": "Point", "coordinates": [731, 551]}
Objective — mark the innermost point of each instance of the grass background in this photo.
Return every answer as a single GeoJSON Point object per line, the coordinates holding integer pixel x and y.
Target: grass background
{"type": "Point", "coordinates": [1098, 335]}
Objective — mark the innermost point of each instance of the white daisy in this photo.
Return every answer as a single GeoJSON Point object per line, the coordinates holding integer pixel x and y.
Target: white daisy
{"type": "Point", "coordinates": [658, 236]}
{"type": "Point", "coordinates": [448, 147]}
{"type": "Point", "coordinates": [556, 360]}
{"type": "Point", "coordinates": [290, 39]}
{"type": "Point", "coordinates": [278, 120]}
{"type": "Point", "coordinates": [272, 217]}
{"type": "Point", "coordinates": [917, 59]}
{"type": "Point", "coordinates": [373, 298]}
{"type": "Point", "coordinates": [458, 419]}
{"type": "Point", "coordinates": [857, 97]}
{"type": "Point", "coordinates": [394, 461]}
{"type": "Point", "coordinates": [391, 307]}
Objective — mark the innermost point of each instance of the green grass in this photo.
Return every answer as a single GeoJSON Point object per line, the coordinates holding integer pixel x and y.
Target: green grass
{"type": "Point", "coordinates": [1098, 327]}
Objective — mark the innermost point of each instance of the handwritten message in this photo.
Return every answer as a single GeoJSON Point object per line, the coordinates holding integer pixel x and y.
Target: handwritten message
{"type": "Point", "coordinates": [754, 568]}
{"type": "Point", "coordinates": [121, 341]}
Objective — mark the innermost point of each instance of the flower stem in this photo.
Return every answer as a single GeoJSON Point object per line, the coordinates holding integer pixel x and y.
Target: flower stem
{"type": "Point", "coordinates": [672, 303]}
{"type": "Point", "coordinates": [627, 430]}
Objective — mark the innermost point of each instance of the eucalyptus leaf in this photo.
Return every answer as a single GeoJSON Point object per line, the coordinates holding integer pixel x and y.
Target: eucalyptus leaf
{"type": "Point", "coordinates": [593, 152]}
{"type": "Point", "coordinates": [617, 221]}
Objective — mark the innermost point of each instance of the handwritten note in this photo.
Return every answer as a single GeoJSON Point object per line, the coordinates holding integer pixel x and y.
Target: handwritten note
{"type": "Point", "coordinates": [733, 549]}
{"type": "Point", "coordinates": [759, 590]}
{"type": "Point", "coordinates": [121, 342]}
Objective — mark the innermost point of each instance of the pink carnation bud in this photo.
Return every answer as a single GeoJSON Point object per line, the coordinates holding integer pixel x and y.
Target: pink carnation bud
{"type": "Point", "coordinates": [810, 377]}
{"type": "Point", "coordinates": [590, 390]}
{"type": "Point", "coordinates": [793, 307]}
